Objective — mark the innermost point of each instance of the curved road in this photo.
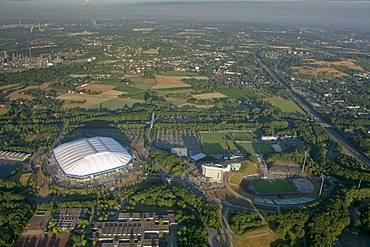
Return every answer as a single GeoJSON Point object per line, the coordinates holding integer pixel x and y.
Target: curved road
{"type": "Point", "coordinates": [308, 108]}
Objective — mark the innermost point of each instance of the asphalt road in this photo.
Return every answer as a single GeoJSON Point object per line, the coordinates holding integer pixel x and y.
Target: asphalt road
{"type": "Point", "coordinates": [308, 108]}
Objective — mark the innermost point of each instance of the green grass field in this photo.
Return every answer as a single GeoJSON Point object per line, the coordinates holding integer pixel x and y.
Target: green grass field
{"type": "Point", "coordinates": [245, 135]}
{"type": "Point", "coordinates": [273, 186]}
{"type": "Point", "coordinates": [214, 142]}
{"type": "Point", "coordinates": [248, 168]}
{"type": "Point", "coordinates": [255, 147]}
{"type": "Point", "coordinates": [117, 103]}
{"type": "Point", "coordinates": [285, 105]}
{"type": "Point", "coordinates": [232, 146]}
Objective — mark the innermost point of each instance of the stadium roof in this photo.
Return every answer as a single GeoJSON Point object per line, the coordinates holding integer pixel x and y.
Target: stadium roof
{"type": "Point", "coordinates": [92, 156]}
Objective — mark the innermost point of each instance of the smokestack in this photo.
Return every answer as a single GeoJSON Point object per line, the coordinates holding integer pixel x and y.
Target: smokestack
{"type": "Point", "coordinates": [86, 2]}
{"type": "Point", "coordinates": [30, 50]}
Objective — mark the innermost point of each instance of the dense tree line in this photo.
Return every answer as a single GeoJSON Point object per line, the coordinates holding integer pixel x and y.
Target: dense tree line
{"type": "Point", "coordinates": [289, 225]}
{"type": "Point", "coordinates": [242, 221]}
{"type": "Point", "coordinates": [326, 225]}
{"type": "Point", "coordinates": [169, 163]}
{"type": "Point", "coordinates": [15, 211]}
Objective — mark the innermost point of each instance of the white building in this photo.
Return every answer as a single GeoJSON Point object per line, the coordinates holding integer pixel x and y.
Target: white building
{"type": "Point", "coordinates": [269, 138]}
{"type": "Point", "coordinates": [214, 172]}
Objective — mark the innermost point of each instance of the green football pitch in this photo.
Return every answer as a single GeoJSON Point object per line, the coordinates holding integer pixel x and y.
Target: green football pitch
{"type": "Point", "coordinates": [273, 186]}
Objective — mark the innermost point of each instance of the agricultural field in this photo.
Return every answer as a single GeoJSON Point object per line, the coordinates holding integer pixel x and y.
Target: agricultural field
{"type": "Point", "coordinates": [117, 103]}
{"type": "Point", "coordinates": [98, 87]}
{"type": "Point", "coordinates": [273, 186]}
{"type": "Point", "coordinates": [3, 111]}
{"type": "Point", "coordinates": [349, 63]}
{"type": "Point", "coordinates": [209, 96]}
{"type": "Point", "coordinates": [315, 67]}
{"type": "Point", "coordinates": [164, 82]}
{"type": "Point", "coordinates": [285, 105]}
{"type": "Point", "coordinates": [152, 51]}
{"type": "Point", "coordinates": [87, 100]}
{"type": "Point", "coordinates": [19, 94]}
{"type": "Point", "coordinates": [8, 86]}
{"type": "Point", "coordinates": [255, 147]}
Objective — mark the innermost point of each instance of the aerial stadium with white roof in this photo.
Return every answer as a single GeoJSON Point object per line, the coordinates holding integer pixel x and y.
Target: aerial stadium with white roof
{"type": "Point", "coordinates": [91, 157]}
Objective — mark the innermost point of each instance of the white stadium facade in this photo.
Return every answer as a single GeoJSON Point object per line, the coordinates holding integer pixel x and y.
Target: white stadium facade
{"type": "Point", "coordinates": [89, 157]}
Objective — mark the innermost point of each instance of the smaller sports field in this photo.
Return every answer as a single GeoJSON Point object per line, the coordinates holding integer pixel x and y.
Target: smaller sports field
{"type": "Point", "coordinates": [273, 186]}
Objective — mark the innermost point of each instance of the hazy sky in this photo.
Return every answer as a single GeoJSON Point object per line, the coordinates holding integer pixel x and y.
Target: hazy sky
{"type": "Point", "coordinates": [79, 2]}
{"type": "Point", "coordinates": [346, 12]}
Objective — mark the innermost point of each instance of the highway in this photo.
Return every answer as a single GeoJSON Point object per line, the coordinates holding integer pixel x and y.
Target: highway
{"type": "Point", "coordinates": [310, 111]}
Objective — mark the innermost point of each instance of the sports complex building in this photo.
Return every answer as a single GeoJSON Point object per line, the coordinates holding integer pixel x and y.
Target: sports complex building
{"type": "Point", "coordinates": [98, 158]}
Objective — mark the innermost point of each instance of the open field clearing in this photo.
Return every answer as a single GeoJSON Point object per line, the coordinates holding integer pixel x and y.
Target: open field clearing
{"type": "Point", "coordinates": [214, 142]}
{"type": "Point", "coordinates": [267, 239]}
{"type": "Point", "coordinates": [152, 51]}
{"type": "Point", "coordinates": [280, 47]}
{"type": "Point", "coordinates": [285, 105]}
{"type": "Point", "coordinates": [3, 111]}
{"type": "Point", "coordinates": [349, 63]}
{"type": "Point", "coordinates": [314, 70]}
{"type": "Point", "coordinates": [209, 96]}
{"type": "Point", "coordinates": [248, 168]}
{"type": "Point", "coordinates": [19, 94]}
{"type": "Point", "coordinates": [255, 147]}
{"type": "Point", "coordinates": [98, 87]}
{"type": "Point", "coordinates": [187, 74]}
{"type": "Point", "coordinates": [108, 61]}
{"type": "Point", "coordinates": [176, 101]}
{"type": "Point", "coordinates": [25, 177]}
{"type": "Point", "coordinates": [87, 100]}
{"type": "Point", "coordinates": [326, 68]}
{"type": "Point", "coordinates": [225, 195]}
{"type": "Point", "coordinates": [117, 103]}
{"type": "Point", "coordinates": [144, 84]}
{"type": "Point", "coordinates": [273, 186]}
{"type": "Point", "coordinates": [170, 82]}
{"type": "Point", "coordinates": [246, 135]}
{"type": "Point", "coordinates": [191, 33]}
{"type": "Point", "coordinates": [164, 82]}
{"type": "Point", "coordinates": [8, 86]}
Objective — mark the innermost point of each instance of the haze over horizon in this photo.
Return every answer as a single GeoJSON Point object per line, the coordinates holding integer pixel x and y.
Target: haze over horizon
{"type": "Point", "coordinates": [325, 12]}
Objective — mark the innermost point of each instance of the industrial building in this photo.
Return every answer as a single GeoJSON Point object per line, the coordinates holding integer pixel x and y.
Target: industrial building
{"type": "Point", "coordinates": [89, 157]}
{"type": "Point", "coordinates": [134, 229]}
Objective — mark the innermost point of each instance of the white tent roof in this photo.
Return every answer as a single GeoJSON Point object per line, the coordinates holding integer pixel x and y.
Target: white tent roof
{"type": "Point", "coordinates": [86, 157]}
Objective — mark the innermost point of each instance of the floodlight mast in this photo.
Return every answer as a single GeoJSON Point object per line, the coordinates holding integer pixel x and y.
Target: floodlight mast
{"type": "Point", "coordinates": [304, 162]}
